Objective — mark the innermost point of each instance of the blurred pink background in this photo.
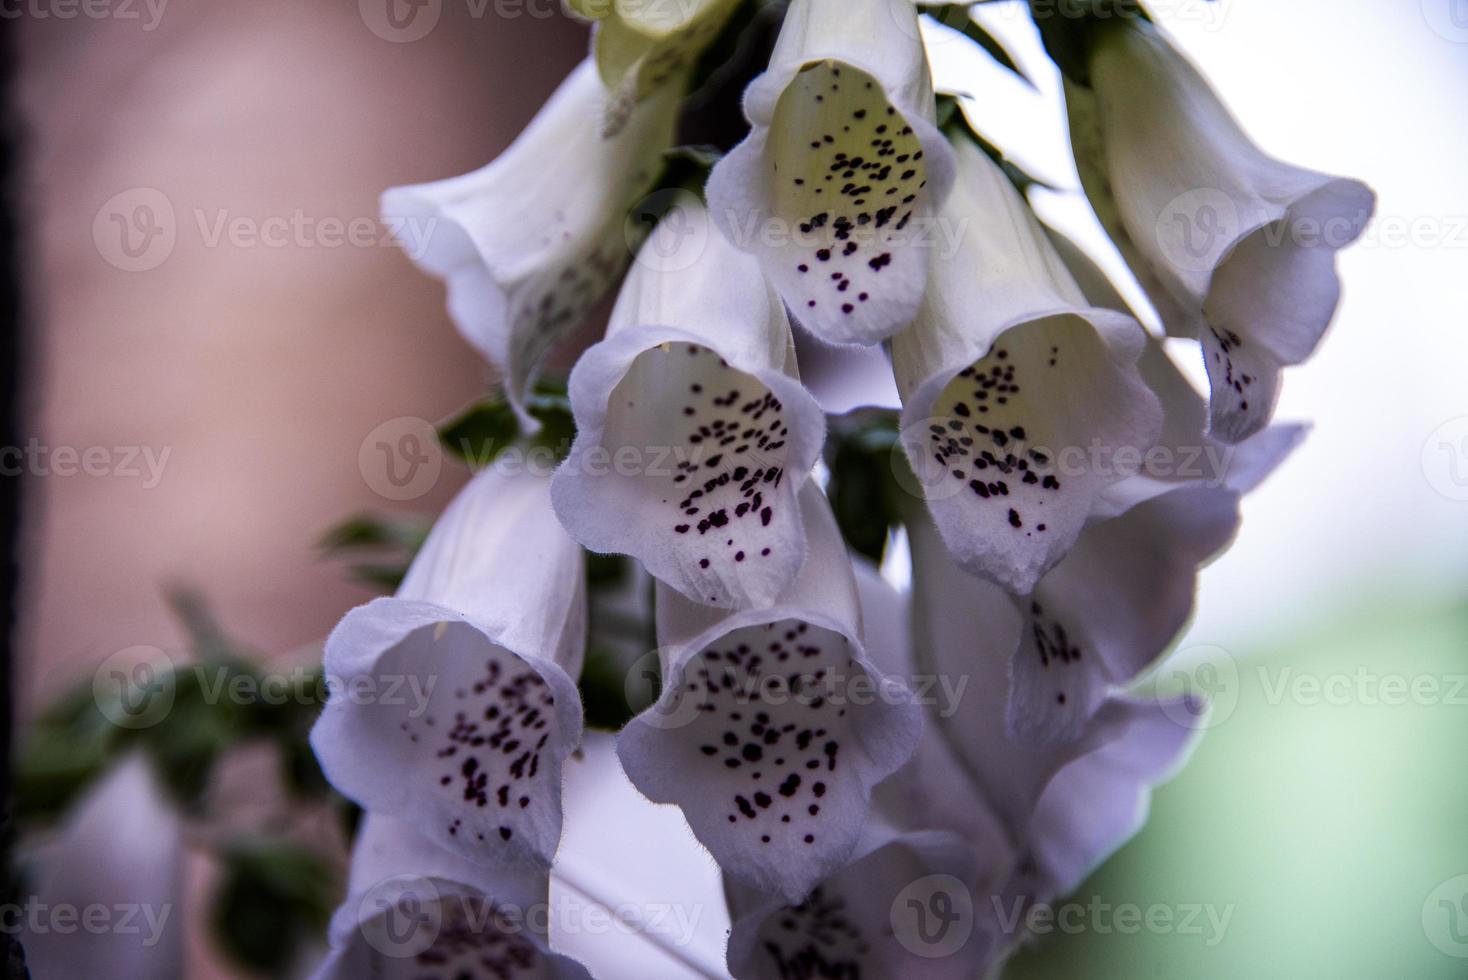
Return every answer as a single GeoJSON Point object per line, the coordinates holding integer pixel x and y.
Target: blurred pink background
{"type": "Point", "coordinates": [258, 370]}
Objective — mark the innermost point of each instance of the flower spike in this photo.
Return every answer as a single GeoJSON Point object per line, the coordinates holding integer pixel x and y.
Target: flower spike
{"type": "Point", "coordinates": [453, 703]}
{"type": "Point", "coordinates": [836, 187]}
{"type": "Point", "coordinates": [529, 243]}
{"type": "Point", "coordinates": [694, 435]}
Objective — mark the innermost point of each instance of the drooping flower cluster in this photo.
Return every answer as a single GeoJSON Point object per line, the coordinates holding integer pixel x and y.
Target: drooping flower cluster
{"type": "Point", "coordinates": [848, 753]}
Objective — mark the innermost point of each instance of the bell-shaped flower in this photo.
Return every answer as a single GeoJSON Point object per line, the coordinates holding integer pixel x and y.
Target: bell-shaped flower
{"type": "Point", "coordinates": [1233, 247]}
{"type": "Point", "coordinates": [836, 188]}
{"type": "Point", "coordinates": [1018, 395]}
{"type": "Point", "coordinates": [415, 910]}
{"type": "Point", "coordinates": [120, 846]}
{"type": "Point", "coordinates": [773, 727]}
{"type": "Point", "coordinates": [452, 704]}
{"type": "Point", "coordinates": [694, 435]}
{"type": "Point", "coordinates": [903, 907]}
{"type": "Point", "coordinates": [528, 244]}
{"type": "Point", "coordinates": [1185, 453]}
{"type": "Point", "coordinates": [641, 46]}
{"type": "Point", "coordinates": [1111, 608]}
{"type": "Point", "coordinates": [1041, 815]}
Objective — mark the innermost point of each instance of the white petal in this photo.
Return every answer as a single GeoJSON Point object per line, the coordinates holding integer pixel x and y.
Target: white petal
{"type": "Point", "coordinates": [773, 727]}
{"type": "Point", "coordinates": [1097, 802]}
{"type": "Point", "coordinates": [837, 185]}
{"type": "Point", "coordinates": [1185, 454]}
{"type": "Point", "coordinates": [432, 720]}
{"type": "Point", "coordinates": [529, 243]}
{"type": "Point", "coordinates": [1018, 396]}
{"type": "Point", "coordinates": [120, 848]}
{"type": "Point", "coordinates": [413, 910]}
{"type": "Point", "coordinates": [499, 556]}
{"type": "Point", "coordinates": [875, 917]}
{"type": "Point", "coordinates": [641, 45]}
{"type": "Point", "coordinates": [1112, 607]}
{"type": "Point", "coordinates": [451, 705]}
{"type": "Point", "coordinates": [1234, 247]}
{"type": "Point", "coordinates": [693, 434]}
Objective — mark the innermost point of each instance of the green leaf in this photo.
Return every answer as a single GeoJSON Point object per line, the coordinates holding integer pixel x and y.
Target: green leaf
{"type": "Point", "coordinates": [369, 531]}
{"type": "Point", "coordinates": [1068, 29]}
{"type": "Point", "coordinates": [482, 432]}
{"type": "Point", "coordinates": [274, 898]}
{"type": "Point", "coordinates": [864, 493]}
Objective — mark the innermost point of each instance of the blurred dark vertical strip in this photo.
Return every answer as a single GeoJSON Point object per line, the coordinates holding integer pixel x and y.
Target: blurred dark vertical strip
{"type": "Point", "coordinates": [10, 407]}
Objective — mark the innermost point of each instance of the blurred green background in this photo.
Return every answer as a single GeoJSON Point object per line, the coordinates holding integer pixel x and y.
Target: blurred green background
{"type": "Point", "coordinates": [1320, 806]}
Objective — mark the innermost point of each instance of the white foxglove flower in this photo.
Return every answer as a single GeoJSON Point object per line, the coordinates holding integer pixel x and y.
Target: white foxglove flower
{"type": "Point", "coordinates": [694, 435]}
{"type": "Point", "coordinates": [879, 916]}
{"type": "Point", "coordinates": [1233, 247]}
{"type": "Point", "coordinates": [414, 910]}
{"type": "Point", "coordinates": [1061, 806]}
{"type": "Point", "coordinates": [529, 243]}
{"type": "Point", "coordinates": [773, 727]}
{"type": "Point", "coordinates": [837, 185]}
{"type": "Point", "coordinates": [453, 702]}
{"type": "Point", "coordinates": [642, 45]}
{"type": "Point", "coordinates": [965, 629]}
{"type": "Point", "coordinates": [1108, 611]}
{"type": "Point", "coordinates": [1185, 453]}
{"type": "Point", "coordinates": [120, 848]}
{"type": "Point", "coordinates": [976, 827]}
{"type": "Point", "coordinates": [1018, 395]}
